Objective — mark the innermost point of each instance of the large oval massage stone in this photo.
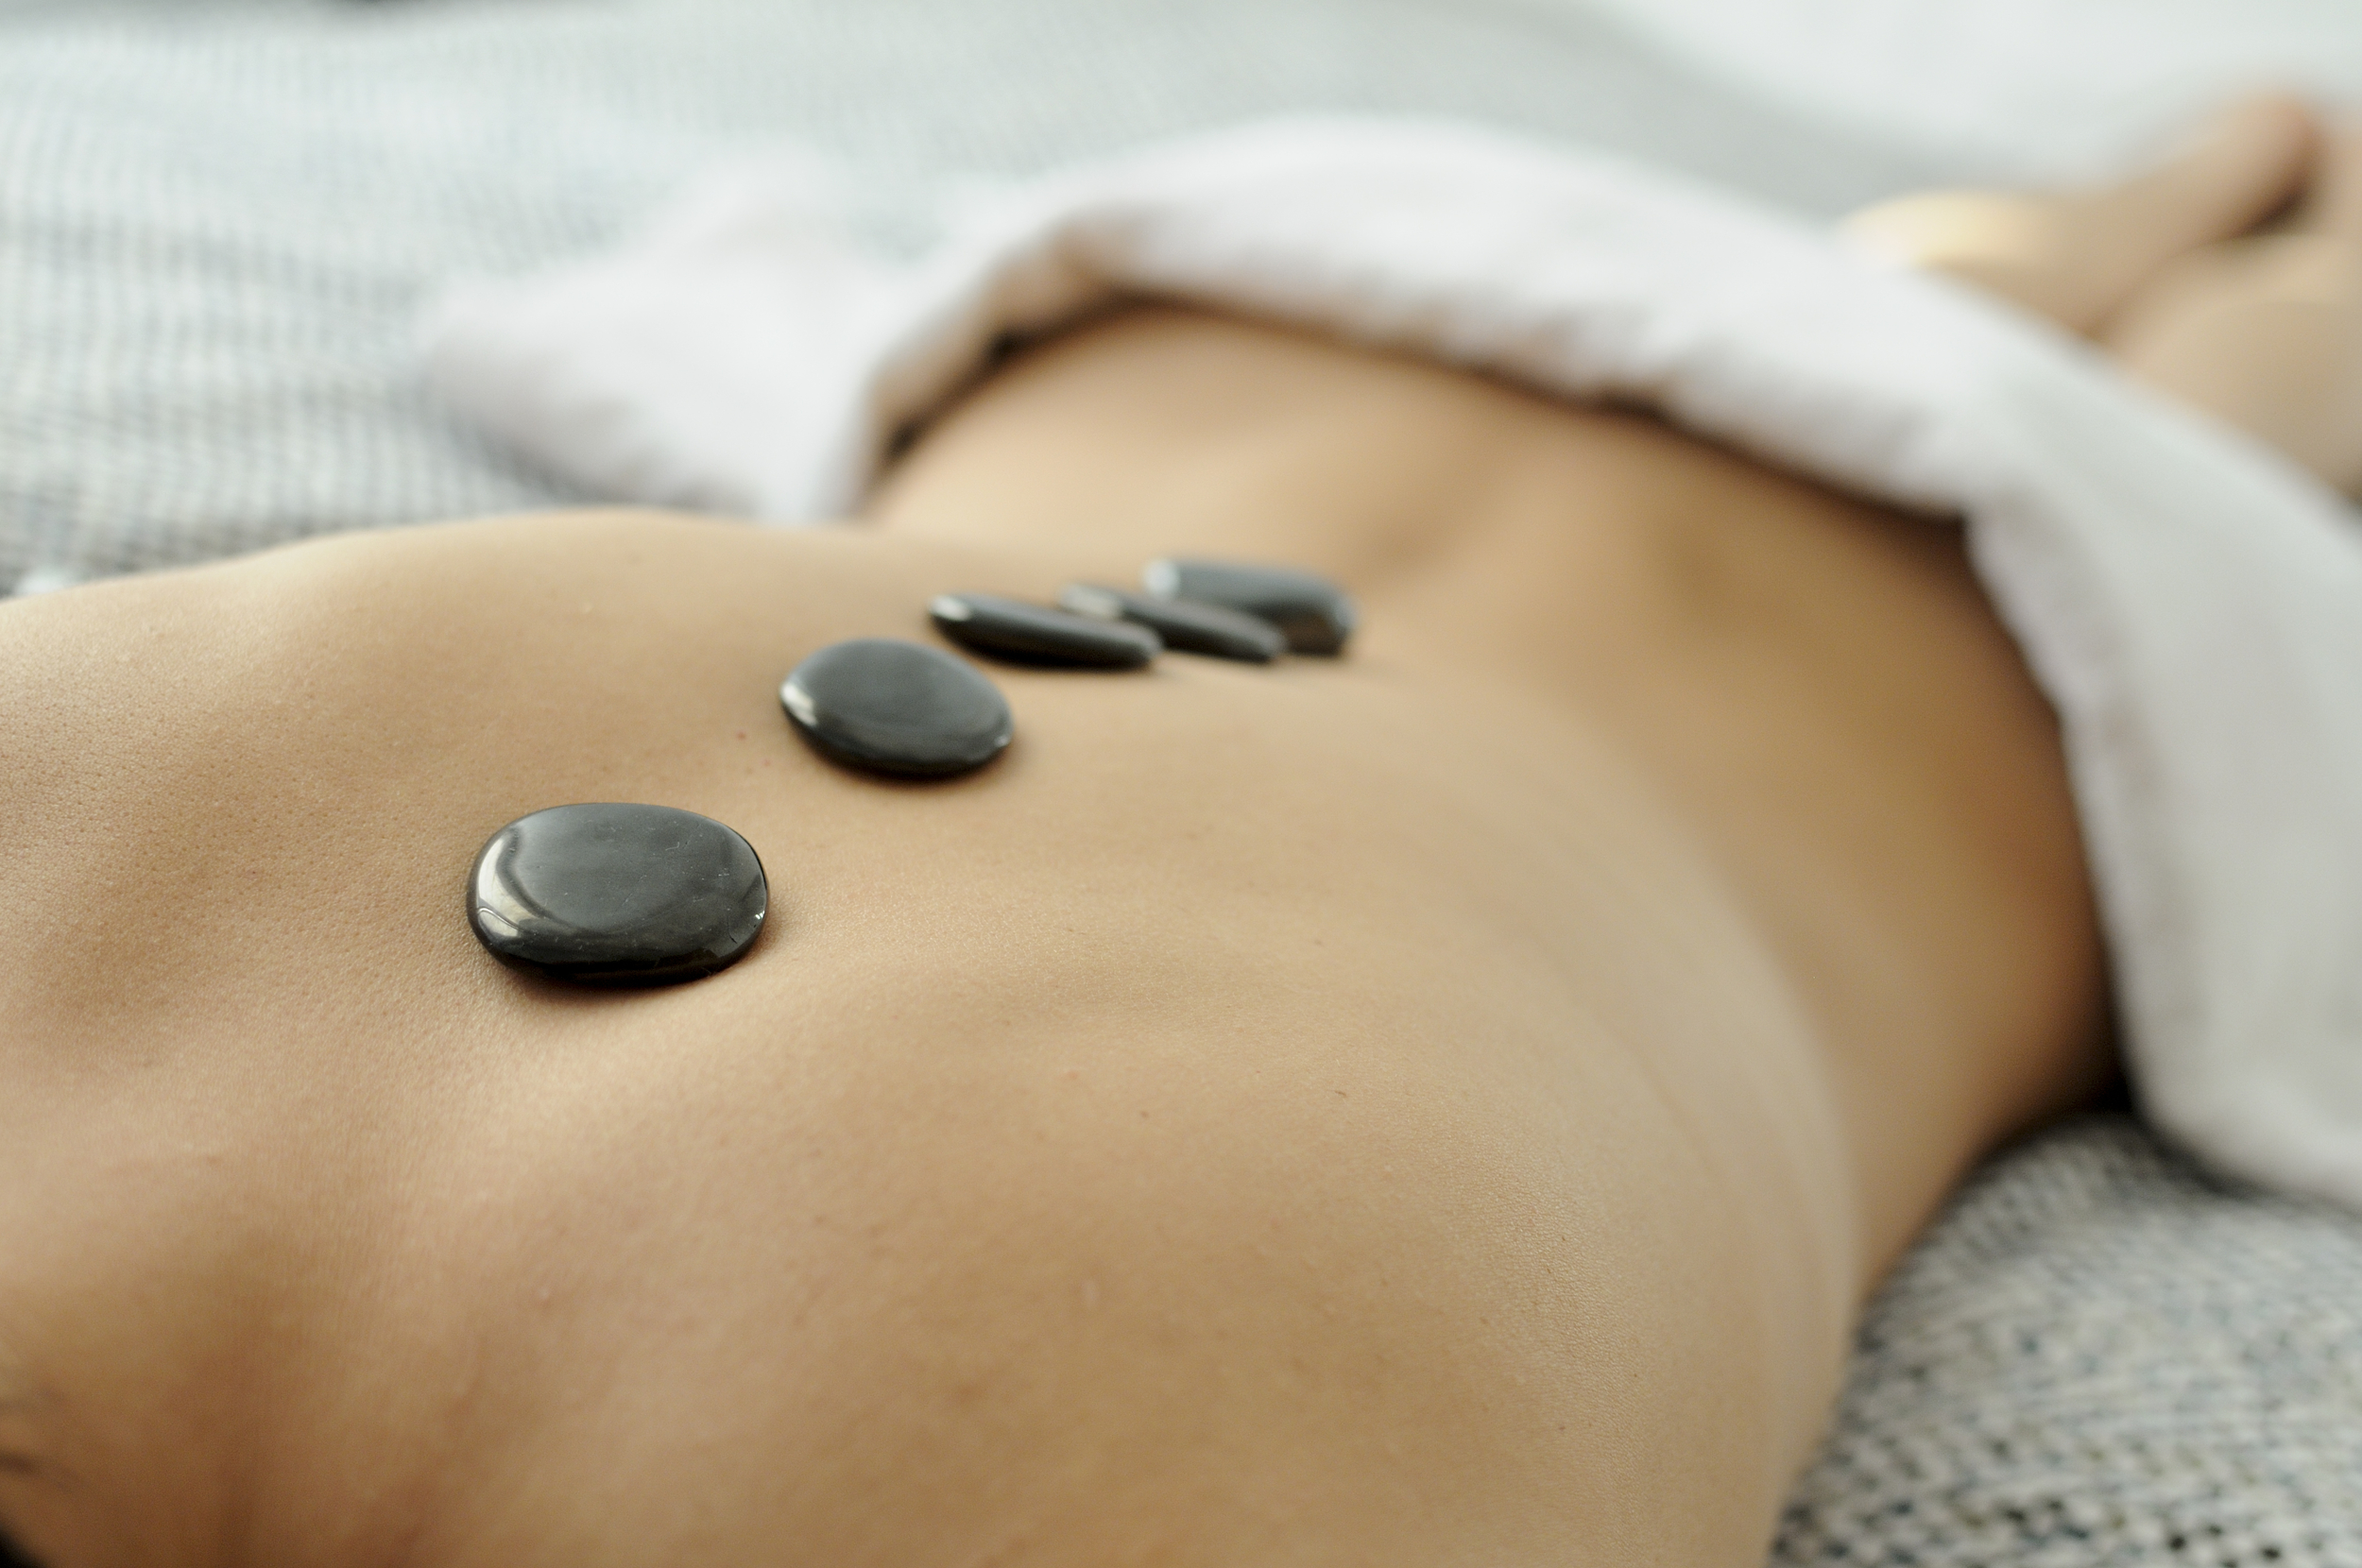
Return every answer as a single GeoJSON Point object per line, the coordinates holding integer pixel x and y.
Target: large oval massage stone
{"type": "Point", "coordinates": [886, 706]}
{"type": "Point", "coordinates": [615, 895]}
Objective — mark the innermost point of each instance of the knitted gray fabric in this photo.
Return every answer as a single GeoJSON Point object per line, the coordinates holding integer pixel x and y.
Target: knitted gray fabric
{"type": "Point", "coordinates": [2102, 1356]}
{"type": "Point", "coordinates": [216, 223]}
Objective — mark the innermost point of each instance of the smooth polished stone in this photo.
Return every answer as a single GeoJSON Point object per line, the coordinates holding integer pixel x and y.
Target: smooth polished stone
{"type": "Point", "coordinates": [1312, 613]}
{"type": "Point", "coordinates": [1035, 634]}
{"type": "Point", "coordinates": [1183, 625]}
{"type": "Point", "coordinates": [891, 707]}
{"type": "Point", "coordinates": [617, 894]}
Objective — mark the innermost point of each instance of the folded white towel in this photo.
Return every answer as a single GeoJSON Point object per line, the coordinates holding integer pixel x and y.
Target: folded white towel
{"type": "Point", "coordinates": [2192, 605]}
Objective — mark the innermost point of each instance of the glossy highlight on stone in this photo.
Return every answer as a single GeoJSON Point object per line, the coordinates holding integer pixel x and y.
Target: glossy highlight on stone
{"type": "Point", "coordinates": [1312, 613]}
{"type": "Point", "coordinates": [617, 894]}
{"type": "Point", "coordinates": [886, 706]}
{"type": "Point", "coordinates": [1034, 634]}
{"type": "Point", "coordinates": [1184, 626]}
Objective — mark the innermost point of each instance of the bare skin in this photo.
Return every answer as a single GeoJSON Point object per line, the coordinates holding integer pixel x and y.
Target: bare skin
{"type": "Point", "coordinates": [1440, 1106]}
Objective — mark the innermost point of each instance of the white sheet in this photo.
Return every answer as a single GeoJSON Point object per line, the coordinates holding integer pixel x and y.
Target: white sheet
{"type": "Point", "coordinates": [2192, 605]}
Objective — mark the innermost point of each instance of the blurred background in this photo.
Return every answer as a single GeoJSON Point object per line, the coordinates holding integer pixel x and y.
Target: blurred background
{"type": "Point", "coordinates": [217, 217]}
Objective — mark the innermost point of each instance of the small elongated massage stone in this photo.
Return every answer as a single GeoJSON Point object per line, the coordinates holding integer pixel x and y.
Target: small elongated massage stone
{"type": "Point", "coordinates": [1311, 612]}
{"type": "Point", "coordinates": [1185, 625]}
{"type": "Point", "coordinates": [1034, 634]}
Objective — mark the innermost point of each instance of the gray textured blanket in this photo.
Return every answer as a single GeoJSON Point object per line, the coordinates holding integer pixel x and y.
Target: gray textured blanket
{"type": "Point", "coordinates": [217, 221]}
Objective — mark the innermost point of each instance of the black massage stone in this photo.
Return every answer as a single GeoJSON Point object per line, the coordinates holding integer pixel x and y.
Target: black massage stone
{"type": "Point", "coordinates": [1034, 634]}
{"type": "Point", "coordinates": [1312, 613]}
{"type": "Point", "coordinates": [890, 707]}
{"type": "Point", "coordinates": [617, 894]}
{"type": "Point", "coordinates": [1185, 625]}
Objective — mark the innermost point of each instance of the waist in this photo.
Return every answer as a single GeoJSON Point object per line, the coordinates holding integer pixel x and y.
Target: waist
{"type": "Point", "coordinates": [1815, 687]}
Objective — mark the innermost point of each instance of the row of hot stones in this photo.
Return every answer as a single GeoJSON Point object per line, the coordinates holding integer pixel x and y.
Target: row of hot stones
{"type": "Point", "coordinates": [615, 894]}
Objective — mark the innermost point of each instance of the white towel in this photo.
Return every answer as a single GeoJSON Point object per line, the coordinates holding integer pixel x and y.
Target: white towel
{"type": "Point", "coordinates": [2192, 605]}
